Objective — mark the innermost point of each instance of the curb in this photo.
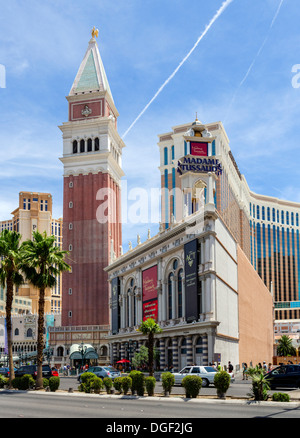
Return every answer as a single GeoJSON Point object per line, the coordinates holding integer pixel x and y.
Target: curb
{"type": "Point", "coordinates": [291, 404]}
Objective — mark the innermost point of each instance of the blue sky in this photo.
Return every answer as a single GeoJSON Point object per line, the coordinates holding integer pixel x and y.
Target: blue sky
{"type": "Point", "coordinates": [141, 43]}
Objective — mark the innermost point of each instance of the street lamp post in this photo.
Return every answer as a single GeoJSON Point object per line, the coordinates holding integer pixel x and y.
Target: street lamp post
{"type": "Point", "coordinates": [48, 353]}
{"type": "Point", "coordinates": [82, 350]}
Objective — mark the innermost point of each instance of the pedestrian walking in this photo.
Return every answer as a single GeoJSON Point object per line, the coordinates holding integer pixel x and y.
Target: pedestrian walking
{"type": "Point", "coordinates": [230, 367]}
{"type": "Point", "coordinates": [245, 374]}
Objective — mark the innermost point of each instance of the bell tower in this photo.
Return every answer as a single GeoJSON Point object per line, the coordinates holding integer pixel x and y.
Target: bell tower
{"type": "Point", "coordinates": [92, 160]}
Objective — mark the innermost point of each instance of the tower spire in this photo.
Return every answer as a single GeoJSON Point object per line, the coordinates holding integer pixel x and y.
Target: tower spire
{"type": "Point", "coordinates": [91, 75]}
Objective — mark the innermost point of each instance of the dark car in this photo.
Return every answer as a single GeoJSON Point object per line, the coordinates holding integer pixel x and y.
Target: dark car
{"type": "Point", "coordinates": [287, 376]}
{"type": "Point", "coordinates": [32, 370]}
{"type": "Point", "coordinates": [105, 371]}
{"type": "Point", "coordinates": [4, 371]}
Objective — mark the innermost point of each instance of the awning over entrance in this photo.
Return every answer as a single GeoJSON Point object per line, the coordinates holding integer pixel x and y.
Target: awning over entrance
{"type": "Point", "coordinates": [88, 352]}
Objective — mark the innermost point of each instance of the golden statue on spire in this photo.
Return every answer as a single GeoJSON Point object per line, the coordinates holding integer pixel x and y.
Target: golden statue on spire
{"type": "Point", "coordinates": [95, 32]}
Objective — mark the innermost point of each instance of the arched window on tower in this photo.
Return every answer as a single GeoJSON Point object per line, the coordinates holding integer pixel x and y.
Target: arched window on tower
{"type": "Point", "coordinates": [96, 144]}
{"type": "Point", "coordinates": [75, 147]}
{"type": "Point", "coordinates": [82, 146]}
{"type": "Point", "coordinates": [89, 145]}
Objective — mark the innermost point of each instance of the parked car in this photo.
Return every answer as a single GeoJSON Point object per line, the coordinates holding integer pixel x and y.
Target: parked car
{"type": "Point", "coordinates": [4, 371]}
{"type": "Point", "coordinates": [101, 371]}
{"type": "Point", "coordinates": [284, 376]}
{"type": "Point", "coordinates": [54, 372]}
{"type": "Point", "coordinates": [32, 370]}
{"type": "Point", "coordinates": [206, 373]}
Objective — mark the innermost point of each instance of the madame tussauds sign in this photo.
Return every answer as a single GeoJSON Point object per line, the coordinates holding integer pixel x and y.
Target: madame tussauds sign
{"type": "Point", "coordinates": [203, 164]}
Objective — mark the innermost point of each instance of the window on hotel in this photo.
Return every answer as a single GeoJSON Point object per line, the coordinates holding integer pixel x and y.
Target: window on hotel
{"type": "Point", "coordinates": [170, 307]}
{"type": "Point", "coordinates": [257, 212]}
{"type": "Point", "coordinates": [282, 217]}
{"type": "Point", "coordinates": [46, 205]}
{"type": "Point", "coordinates": [165, 156]}
{"type": "Point", "coordinates": [292, 218]}
{"type": "Point", "coordinates": [42, 205]}
{"type": "Point", "coordinates": [268, 214]}
{"type": "Point", "coordinates": [28, 204]}
{"type": "Point", "coordinates": [297, 219]}
{"type": "Point", "coordinates": [263, 213]}
{"type": "Point", "coordinates": [287, 218]}
{"type": "Point", "coordinates": [273, 214]}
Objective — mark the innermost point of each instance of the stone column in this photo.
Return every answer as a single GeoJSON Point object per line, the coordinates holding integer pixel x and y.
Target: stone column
{"type": "Point", "coordinates": [175, 353]}
{"type": "Point", "coordinates": [162, 351]}
{"type": "Point", "coordinates": [189, 350]}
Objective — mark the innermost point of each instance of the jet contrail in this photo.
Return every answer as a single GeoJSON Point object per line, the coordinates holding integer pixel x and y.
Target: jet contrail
{"type": "Point", "coordinates": [255, 58]}
{"type": "Point", "coordinates": [215, 17]}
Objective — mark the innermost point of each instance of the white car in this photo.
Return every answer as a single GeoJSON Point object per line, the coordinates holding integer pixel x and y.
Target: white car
{"type": "Point", "coordinates": [206, 373]}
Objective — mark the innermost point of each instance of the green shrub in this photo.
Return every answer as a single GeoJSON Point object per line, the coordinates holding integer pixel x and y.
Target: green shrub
{"type": "Point", "coordinates": [192, 386]}
{"type": "Point", "coordinates": [280, 397]}
{"type": "Point", "coordinates": [150, 383]}
{"type": "Point", "coordinates": [45, 383]}
{"type": "Point", "coordinates": [138, 382]}
{"type": "Point", "coordinates": [54, 382]}
{"type": "Point", "coordinates": [168, 381]}
{"type": "Point", "coordinates": [108, 383]}
{"type": "Point", "coordinates": [86, 379]}
{"type": "Point", "coordinates": [222, 382]}
{"type": "Point", "coordinates": [96, 384]}
{"type": "Point", "coordinates": [23, 383]}
{"type": "Point", "coordinates": [133, 375]}
{"type": "Point", "coordinates": [126, 384]}
{"type": "Point", "coordinates": [260, 386]}
{"type": "Point", "coordinates": [3, 381]}
{"type": "Point", "coordinates": [16, 382]}
{"type": "Point", "coordinates": [118, 384]}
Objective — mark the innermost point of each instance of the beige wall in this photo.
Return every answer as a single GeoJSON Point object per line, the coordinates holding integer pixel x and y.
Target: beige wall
{"type": "Point", "coordinates": [255, 315]}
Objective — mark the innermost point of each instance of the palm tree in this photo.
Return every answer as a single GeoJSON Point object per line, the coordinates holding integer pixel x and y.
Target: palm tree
{"type": "Point", "coordinates": [42, 262]}
{"type": "Point", "coordinates": [10, 276]}
{"type": "Point", "coordinates": [285, 346]}
{"type": "Point", "coordinates": [150, 327]}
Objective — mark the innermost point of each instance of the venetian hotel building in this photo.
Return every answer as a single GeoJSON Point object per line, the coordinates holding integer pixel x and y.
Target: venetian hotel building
{"type": "Point", "coordinates": [197, 276]}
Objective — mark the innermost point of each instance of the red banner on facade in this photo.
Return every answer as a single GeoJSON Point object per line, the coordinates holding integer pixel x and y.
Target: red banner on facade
{"type": "Point", "coordinates": [150, 293]}
{"type": "Point", "coordinates": [199, 149]}
{"type": "Point", "coordinates": [150, 310]}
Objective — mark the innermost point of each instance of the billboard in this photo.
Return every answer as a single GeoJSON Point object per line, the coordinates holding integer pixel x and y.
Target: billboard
{"type": "Point", "coordinates": [115, 307]}
{"type": "Point", "coordinates": [149, 278]}
{"type": "Point", "coordinates": [191, 280]}
{"type": "Point", "coordinates": [200, 149]}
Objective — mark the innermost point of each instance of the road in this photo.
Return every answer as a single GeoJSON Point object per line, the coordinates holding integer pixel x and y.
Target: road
{"type": "Point", "coordinates": [51, 405]}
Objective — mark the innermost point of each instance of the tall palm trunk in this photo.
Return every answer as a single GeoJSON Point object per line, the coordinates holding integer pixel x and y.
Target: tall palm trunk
{"type": "Point", "coordinates": [40, 340]}
{"type": "Point", "coordinates": [9, 300]}
{"type": "Point", "coordinates": [150, 352]}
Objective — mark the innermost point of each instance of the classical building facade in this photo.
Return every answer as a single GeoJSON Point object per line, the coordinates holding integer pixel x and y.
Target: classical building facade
{"type": "Point", "coordinates": [194, 277]}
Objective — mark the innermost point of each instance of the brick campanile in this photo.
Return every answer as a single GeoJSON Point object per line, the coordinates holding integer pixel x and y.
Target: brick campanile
{"type": "Point", "coordinates": [92, 153]}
